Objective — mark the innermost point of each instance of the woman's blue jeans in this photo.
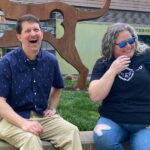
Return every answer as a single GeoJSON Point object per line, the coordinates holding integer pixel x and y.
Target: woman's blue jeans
{"type": "Point", "coordinates": [109, 135]}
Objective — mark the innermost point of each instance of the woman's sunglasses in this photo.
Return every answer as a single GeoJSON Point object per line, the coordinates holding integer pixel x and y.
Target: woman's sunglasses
{"type": "Point", "coordinates": [124, 43]}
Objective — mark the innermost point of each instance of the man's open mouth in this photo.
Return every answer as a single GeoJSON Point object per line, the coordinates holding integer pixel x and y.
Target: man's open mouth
{"type": "Point", "coordinates": [33, 41]}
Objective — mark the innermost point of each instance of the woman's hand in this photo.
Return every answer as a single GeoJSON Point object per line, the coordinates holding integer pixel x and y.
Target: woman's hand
{"type": "Point", "coordinates": [121, 63]}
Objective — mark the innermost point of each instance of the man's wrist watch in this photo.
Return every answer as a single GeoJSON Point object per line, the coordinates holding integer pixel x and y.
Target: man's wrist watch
{"type": "Point", "coordinates": [53, 110]}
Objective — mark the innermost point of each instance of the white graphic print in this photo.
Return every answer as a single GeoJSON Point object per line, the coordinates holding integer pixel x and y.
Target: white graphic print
{"type": "Point", "coordinates": [126, 74]}
{"type": "Point", "coordinates": [140, 67]}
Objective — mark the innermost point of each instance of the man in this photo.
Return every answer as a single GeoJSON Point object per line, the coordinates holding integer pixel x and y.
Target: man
{"type": "Point", "coordinates": [28, 77]}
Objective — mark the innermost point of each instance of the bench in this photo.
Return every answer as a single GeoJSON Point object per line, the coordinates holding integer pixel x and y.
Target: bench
{"type": "Point", "coordinates": [86, 139]}
{"type": "Point", "coordinates": [85, 136]}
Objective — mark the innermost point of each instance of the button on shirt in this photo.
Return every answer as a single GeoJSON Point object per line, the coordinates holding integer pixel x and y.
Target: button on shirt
{"type": "Point", "coordinates": [26, 84]}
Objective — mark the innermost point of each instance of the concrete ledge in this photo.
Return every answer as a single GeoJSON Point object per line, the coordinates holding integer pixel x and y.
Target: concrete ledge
{"type": "Point", "coordinates": [85, 136]}
{"type": "Point", "coordinates": [87, 140]}
{"type": "Point", "coordinates": [6, 146]}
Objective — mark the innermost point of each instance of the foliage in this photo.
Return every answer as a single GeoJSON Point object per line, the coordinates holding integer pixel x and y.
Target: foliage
{"type": "Point", "coordinates": [77, 108]}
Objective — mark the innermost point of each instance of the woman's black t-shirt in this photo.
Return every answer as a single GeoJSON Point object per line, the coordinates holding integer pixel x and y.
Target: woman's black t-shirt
{"type": "Point", "coordinates": [129, 98]}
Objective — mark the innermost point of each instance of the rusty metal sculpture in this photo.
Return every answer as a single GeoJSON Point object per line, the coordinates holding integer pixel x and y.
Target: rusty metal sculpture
{"type": "Point", "coordinates": [65, 46]}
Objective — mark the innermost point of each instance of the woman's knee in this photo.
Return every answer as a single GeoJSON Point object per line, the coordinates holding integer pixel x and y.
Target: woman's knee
{"type": "Point", "coordinates": [140, 140]}
{"type": "Point", "coordinates": [108, 132]}
{"type": "Point", "coordinates": [102, 133]}
{"type": "Point", "coordinates": [107, 139]}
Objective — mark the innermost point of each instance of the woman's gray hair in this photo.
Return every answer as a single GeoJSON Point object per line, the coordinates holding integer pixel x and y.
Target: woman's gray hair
{"type": "Point", "coordinates": [109, 39]}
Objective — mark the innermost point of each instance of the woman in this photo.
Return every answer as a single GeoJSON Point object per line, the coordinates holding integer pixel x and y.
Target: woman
{"type": "Point", "coordinates": [120, 81]}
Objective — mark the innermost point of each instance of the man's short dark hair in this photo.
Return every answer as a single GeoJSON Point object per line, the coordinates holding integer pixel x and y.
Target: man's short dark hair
{"type": "Point", "coordinates": [28, 18]}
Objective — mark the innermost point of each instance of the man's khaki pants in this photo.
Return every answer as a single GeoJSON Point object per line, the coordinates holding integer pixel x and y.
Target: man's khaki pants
{"type": "Point", "coordinates": [62, 134]}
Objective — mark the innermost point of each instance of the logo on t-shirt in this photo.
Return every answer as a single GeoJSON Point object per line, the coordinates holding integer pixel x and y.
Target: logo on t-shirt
{"type": "Point", "coordinates": [126, 74]}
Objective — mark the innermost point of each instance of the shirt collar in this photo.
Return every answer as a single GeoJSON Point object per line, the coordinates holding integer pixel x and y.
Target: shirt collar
{"type": "Point", "coordinates": [25, 62]}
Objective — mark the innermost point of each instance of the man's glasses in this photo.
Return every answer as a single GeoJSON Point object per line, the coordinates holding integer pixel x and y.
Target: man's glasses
{"type": "Point", "coordinates": [124, 43]}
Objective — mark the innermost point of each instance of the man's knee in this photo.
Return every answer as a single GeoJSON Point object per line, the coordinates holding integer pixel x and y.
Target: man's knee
{"type": "Point", "coordinates": [71, 127]}
{"type": "Point", "coordinates": [31, 139]}
{"type": "Point", "coordinates": [31, 136]}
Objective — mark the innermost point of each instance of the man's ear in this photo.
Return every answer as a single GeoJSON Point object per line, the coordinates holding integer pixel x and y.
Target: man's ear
{"type": "Point", "coordinates": [18, 37]}
{"type": "Point", "coordinates": [42, 34]}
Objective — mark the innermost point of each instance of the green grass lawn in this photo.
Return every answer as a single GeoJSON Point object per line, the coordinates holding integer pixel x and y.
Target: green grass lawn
{"type": "Point", "coordinates": [77, 108]}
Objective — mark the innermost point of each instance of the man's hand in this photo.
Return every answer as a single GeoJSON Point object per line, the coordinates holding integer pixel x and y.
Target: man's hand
{"type": "Point", "coordinates": [33, 127]}
{"type": "Point", "coordinates": [49, 112]}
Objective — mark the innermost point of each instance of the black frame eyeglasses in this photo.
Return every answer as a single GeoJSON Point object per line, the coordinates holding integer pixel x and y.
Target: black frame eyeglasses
{"type": "Point", "coordinates": [122, 44]}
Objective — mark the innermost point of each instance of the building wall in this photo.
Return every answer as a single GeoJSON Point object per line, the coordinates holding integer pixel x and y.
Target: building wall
{"type": "Point", "coordinates": [89, 33]}
{"type": "Point", "coordinates": [88, 43]}
{"type": "Point", "coordinates": [136, 5]}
